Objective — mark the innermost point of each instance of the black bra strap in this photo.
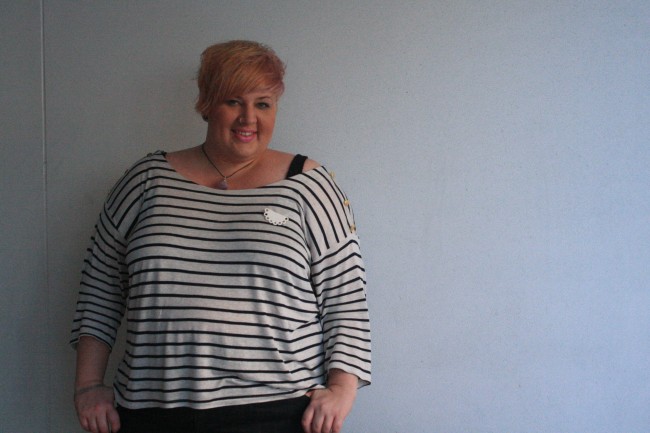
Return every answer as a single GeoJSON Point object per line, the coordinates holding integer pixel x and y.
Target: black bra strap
{"type": "Point", "coordinates": [297, 165]}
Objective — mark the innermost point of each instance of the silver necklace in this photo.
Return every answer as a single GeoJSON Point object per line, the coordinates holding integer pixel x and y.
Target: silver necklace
{"type": "Point", "coordinates": [223, 183]}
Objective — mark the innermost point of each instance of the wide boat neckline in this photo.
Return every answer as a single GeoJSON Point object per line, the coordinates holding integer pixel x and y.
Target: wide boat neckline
{"type": "Point", "coordinates": [228, 191]}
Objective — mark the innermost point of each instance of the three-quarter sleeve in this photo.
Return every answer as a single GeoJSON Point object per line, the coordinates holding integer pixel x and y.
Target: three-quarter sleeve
{"type": "Point", "coordinates": [104, 285]}
{"type": "Point", "coordinates": [103, 291]}
{"type": "Point", "coordinates": [338, 277]}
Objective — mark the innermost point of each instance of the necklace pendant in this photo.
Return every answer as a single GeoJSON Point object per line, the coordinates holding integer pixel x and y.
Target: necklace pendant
{"type": "Point", "coordinates": [223, 184]}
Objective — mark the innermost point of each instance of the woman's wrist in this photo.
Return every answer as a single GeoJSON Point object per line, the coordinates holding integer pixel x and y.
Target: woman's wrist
{"type": "Point", "coordinates": [342, 380]}
{"type": "Point", "coordinates": [88, 388]}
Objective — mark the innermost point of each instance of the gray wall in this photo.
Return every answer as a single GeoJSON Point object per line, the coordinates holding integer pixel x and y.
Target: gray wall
{"type": "Point", "coordinates": [24, 313]}
{"type": "Point", "coordinates": [496, 153]}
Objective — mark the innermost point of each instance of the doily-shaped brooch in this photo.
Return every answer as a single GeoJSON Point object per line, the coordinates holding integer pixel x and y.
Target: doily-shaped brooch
{"type": "Point", "coordinates": [275, 218]}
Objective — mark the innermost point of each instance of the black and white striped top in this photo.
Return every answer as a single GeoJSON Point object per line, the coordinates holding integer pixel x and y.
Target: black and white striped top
{"type": "Point", "coordinates": [231, 297]}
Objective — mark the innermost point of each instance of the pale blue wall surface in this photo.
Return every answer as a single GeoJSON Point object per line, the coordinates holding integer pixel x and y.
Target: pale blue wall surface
{"type": "Point", "coordinates": [496, 154]}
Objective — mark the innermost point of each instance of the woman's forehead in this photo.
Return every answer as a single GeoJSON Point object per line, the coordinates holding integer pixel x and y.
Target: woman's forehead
{"type": "Point", "coordinates": [258, 93]}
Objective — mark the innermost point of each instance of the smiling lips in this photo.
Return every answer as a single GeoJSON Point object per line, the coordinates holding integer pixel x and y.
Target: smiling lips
{"type": "Point", "coordinates": [244, 135]}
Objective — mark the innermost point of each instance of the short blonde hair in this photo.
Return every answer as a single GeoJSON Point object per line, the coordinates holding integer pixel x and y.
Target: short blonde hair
{"type": "Point", "coordinates": [234, 68]}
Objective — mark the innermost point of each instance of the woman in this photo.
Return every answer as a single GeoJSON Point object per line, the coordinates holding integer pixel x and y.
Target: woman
{"type": "Point", "coordinates": [238, 269]}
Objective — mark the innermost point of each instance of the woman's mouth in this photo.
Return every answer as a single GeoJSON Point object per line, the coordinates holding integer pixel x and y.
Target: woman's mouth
{"type": "Point", "coordinates": [244, 135]}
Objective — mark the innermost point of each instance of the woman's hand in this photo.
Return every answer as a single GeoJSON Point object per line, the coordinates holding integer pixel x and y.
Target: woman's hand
{"type": "Point", "coordinates": [93, 400]}
{"type": "Point", "coordinates": [330, 406]}
{"type": "Point", "coordinates": [96, 409]}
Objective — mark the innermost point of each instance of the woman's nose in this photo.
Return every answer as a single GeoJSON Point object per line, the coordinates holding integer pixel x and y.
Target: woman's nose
{"type": "Point", "coordinates": [247, 115]}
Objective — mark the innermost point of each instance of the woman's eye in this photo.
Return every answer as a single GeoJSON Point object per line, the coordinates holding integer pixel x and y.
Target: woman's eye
{"type": "Point", "coordinates": [264, 105]}
{"type": "Point", "coordinates": [232, 102]}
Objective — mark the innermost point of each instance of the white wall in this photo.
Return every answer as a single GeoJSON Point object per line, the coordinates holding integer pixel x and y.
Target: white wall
{"type": "Point", "coordinates": [496, 154]}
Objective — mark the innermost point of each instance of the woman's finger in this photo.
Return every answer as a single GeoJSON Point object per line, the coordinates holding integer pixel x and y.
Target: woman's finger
{"type": "Point", "coordinates": [102, 423]}
{"type": "Point", "coordinates": [326, 425]}
{"type": "Point", "coordinates": [84, 423]}
{"type": "Point", "coordinates": [114, 421]}
{"type": "Point", "coordinates": [317, 422]}
{"type": "Point", "coordinates": [92, 425]}
{"type": "Point", "coordinates": [306, 419]}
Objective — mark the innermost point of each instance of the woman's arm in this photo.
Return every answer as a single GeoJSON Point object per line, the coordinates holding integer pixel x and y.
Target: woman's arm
{"type": "Point", "coordinates": [92, 358]}
{"type": "Point", "coordinates": [330, 406]}
{"type": "Point", "coordinates": [93, 400]}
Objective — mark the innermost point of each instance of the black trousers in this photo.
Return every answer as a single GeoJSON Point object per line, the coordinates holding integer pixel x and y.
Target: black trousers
{"type": "Point", "coordinates": [282, 416]}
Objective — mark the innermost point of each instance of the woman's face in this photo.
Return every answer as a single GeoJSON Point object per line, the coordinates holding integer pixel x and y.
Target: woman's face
{"type": "Point", "coordinates": [241, 127]}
